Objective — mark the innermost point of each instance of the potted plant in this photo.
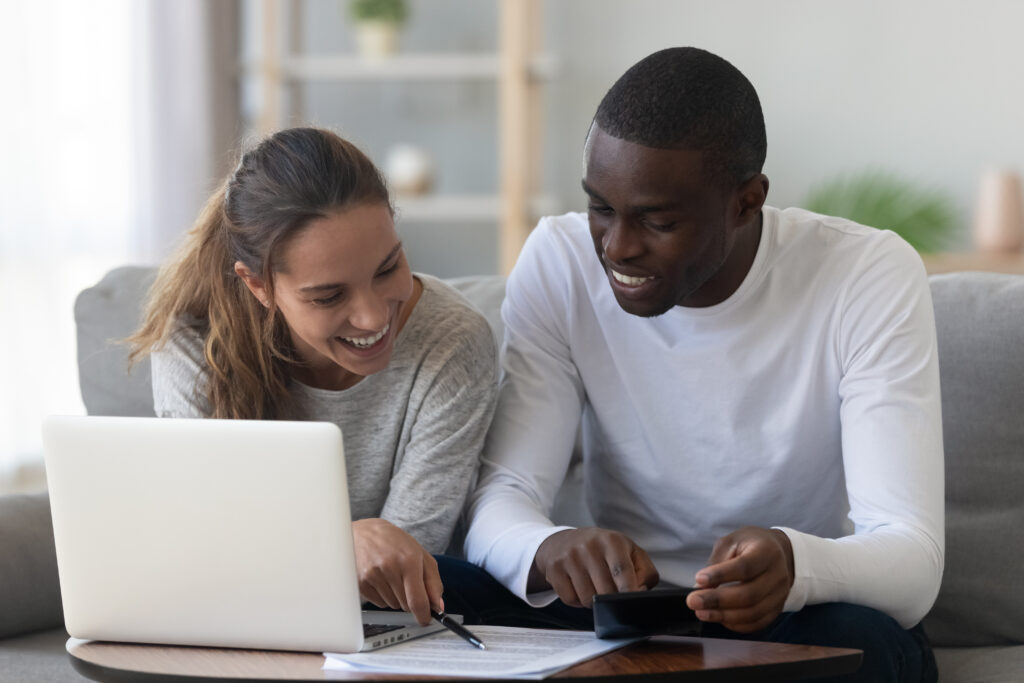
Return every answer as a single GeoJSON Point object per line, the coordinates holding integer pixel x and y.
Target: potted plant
{"type": "Point", "coordinates": [926, 218]}
{"type": "Point", "coordinates": [377, 23]}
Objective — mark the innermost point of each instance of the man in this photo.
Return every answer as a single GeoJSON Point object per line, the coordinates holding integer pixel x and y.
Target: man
{"type": "Point", "coordinates": [746, 378]}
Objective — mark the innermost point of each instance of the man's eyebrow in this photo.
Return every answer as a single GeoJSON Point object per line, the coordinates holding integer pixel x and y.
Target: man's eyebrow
{"type": "Point", "coordinates": [337, 285]}
{"type": "Point", "coordinates": [589, 190]}
{"type": "Point", "coordinates": [653, 208]}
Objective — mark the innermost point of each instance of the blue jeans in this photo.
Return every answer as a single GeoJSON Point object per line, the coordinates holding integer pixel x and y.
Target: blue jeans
{"type": "Point", "coordinates": [891, 653]}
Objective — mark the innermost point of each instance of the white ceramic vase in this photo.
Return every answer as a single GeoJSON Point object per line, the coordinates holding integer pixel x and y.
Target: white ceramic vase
{"type": "Point", "coordinates": [409, 169]}
{"type": "Point", "coordinates": [999, 216]}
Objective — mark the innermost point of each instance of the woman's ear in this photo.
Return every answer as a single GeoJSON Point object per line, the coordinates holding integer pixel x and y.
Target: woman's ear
{"type": "Point", "coordinates": [254, 283]}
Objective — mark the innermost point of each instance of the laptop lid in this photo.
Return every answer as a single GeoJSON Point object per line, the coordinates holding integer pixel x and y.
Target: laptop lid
{"type": "Point", "coordinates": [222, 533]}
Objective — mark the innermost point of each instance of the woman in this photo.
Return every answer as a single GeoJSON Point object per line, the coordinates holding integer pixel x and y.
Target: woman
{"type": "Point", "coordinates": [291, 298]}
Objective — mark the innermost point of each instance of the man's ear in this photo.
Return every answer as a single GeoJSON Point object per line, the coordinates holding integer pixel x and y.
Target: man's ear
{"type": "Point", "coordinates": [254, 283]}
{"type": "Point", "coordinates": [751, 197]}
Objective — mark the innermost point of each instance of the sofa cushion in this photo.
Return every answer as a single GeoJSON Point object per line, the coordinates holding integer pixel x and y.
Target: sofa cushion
{"type": "Point", "coordinates": [485, 292]}
{"type": "Point", "coordinates": [980, 323]}
{"type": "Point", "coordinates": [105, 313]}
{"type": "Point", "coordinates": [980, 664]}
{"type": "Point", "coordinates": [29, 587]}
{"type": "Point", "coordinates": [39, 657]}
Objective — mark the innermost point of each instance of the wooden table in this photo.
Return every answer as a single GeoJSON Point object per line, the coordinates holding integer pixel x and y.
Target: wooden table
{"type": "Point", "coordinates": [661, 658]}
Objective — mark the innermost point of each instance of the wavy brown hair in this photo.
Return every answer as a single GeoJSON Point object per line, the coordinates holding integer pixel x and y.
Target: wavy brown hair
{"type": "Point", "coordinates": [286, 181]}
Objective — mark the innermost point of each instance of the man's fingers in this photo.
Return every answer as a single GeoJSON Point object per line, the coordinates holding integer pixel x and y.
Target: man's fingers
{"type": "Point", "coordinates": [740, 620]}
{"type": "Point", "coordinates": [742, 567]}
{"type": "Point", "coordinates": [564, 589]}
{"type": "Point", "coordinates": [645, 572]}
{"type": "Point", "coordinates": [733, 596]}
{"type": "Point", "coordinates": [583, 586]}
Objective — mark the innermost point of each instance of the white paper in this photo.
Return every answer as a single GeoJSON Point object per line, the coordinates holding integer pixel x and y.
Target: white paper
{"type": "Point", "coordinates": [511, 653]}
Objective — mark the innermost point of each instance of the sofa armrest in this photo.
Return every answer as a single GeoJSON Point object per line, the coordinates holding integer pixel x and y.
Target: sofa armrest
{"type": "Point", "coordinates": [29, 587]}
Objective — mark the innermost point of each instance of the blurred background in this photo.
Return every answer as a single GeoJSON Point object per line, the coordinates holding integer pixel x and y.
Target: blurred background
{"type": "Point", "coordinates": [120, 116]}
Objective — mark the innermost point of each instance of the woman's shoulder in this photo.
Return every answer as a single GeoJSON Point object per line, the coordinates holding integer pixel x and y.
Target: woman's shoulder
{"type": "Point", "coordinates": [179, 371]}
{"type": "Point", "coordinates": [445, 323]}
{"type": "Point", "coordinates": [182, 354]}
{"type": "Point", "coordinates": [442, 306]}
{"type": "Point", "coordinates": [186, 339]}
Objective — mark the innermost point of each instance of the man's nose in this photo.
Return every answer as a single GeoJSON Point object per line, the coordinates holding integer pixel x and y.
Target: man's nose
{"type": "Point", "coordinates": [620, 242]}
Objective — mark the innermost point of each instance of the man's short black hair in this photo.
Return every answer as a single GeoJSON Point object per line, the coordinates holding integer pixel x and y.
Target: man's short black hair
{"type": "Point", "coordinates": [688, 98]}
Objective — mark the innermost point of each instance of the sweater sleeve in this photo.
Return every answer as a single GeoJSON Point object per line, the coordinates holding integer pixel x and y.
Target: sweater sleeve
{"type": "Point", "coordinates": [529, 446]}
{"type": "Point", "coordinates": [892, 448]}
{"type": "Point", "coordinates": [436, 470]}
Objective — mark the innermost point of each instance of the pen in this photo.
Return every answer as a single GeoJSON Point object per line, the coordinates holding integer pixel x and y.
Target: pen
{"type": "Point", "coordinates": [458, 629]}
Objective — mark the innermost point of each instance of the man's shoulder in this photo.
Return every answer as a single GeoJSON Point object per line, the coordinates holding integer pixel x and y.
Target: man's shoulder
{"type": "Point", "coordinates": [566, 234]}
{"type": "Point", "coordinates": [836, 244]}
{"type": "Point", "coordinates": [558, 254]}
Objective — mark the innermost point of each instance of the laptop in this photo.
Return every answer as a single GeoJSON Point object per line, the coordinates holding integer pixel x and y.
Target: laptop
{"type": "Point", "coordinates": [217, 533]}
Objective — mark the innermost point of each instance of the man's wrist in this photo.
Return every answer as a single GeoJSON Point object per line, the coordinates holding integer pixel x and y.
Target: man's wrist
{"type": "Point", "coordinates": [787, 549]}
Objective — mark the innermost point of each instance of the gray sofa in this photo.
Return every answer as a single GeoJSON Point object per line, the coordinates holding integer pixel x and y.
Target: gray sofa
{"type": "Point", "coordinates": [977, 624]}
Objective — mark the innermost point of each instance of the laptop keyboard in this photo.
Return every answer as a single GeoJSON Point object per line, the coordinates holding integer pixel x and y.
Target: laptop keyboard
{"type": "Point", "coordinates": [377, 629]}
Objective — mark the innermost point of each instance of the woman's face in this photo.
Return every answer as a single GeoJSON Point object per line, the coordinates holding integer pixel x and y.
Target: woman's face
{"type": "Point", "coordinates": [340, 285]}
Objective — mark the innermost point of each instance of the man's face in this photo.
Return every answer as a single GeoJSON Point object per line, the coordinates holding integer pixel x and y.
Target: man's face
{"type": "Point", "coordinates": [662, 228]}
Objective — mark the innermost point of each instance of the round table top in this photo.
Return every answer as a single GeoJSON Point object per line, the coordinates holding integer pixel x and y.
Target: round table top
{"type": "Point", "coordinates": [675, 657]}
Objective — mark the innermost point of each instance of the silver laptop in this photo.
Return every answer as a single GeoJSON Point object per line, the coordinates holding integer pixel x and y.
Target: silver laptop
{"type": "Point", "coordinates": [219, 533]}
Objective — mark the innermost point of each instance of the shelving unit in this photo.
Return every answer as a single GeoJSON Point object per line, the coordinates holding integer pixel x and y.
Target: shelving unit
{"type": "Point", "coordinates": [990, 262]}
{"type": "Point", "coordinates": [516, 68]}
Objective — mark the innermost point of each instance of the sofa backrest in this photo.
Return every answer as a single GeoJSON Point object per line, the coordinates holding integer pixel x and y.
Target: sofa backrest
{"type": "Point", "coordinates": [105, 314]}
{"type": "Point", "coordinates": [110, 310]}
{"type": "Point", "coordinates": [980, 324]}
{"type": "Point", "coordinates": [979, 318]}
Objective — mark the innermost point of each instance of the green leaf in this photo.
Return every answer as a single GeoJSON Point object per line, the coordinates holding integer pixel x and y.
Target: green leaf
{"type": "Point", "coordinates": [392, 11]}
{"type": "Point", "coordinates": [924, 217]}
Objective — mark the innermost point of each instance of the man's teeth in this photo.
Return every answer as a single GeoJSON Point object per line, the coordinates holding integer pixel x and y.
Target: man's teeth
{"type": "Point", "coordinates": [630, 281]}
{"type": "Point", "coordinates": [365, 342]}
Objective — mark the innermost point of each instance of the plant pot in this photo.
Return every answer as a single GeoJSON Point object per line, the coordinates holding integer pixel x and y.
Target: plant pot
{"type": "Point", "coordinates": [376, 39]}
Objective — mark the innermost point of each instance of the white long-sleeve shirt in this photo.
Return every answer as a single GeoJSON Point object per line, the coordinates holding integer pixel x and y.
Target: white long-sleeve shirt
{"type": "Point", "coordinates": [809, 395]}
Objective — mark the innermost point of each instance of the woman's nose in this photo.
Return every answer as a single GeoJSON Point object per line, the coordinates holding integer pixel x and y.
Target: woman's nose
{"type": "Point", "coordinates": [620, 242]}
{"type": "Point", "coordinates": [369, 312]}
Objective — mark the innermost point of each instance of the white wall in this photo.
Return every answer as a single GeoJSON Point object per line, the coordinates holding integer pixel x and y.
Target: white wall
{"type": "Point", "coordinates": [932, 89]}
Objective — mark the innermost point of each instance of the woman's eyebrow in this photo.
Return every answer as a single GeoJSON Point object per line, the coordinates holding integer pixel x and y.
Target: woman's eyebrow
{"type": "Point", "coordinates": [391, 254]}
{"type": "Point", "coordinates": [336, 285]}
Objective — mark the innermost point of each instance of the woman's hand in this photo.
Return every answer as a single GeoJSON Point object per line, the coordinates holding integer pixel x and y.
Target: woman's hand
{"type": "Point", "coordinates": [394, 570]}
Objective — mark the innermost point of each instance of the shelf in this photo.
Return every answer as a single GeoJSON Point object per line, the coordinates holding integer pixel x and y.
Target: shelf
{"type": "Point", "coordinates": [517, 67]}
{"type": "Point", "coordinates": [427, 66]}
{"type": "Point", "coordinates": [991, 262]}
{"type": "Point", "coordinates": [463, 208]}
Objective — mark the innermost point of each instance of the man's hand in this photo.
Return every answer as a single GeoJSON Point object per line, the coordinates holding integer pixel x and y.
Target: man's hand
{"type": "Point", "coordinates": [746, 581]}
{"type": "Point", "coordinates": [580, 563]}
{"type": "Point", "coordinates": [394, 570]}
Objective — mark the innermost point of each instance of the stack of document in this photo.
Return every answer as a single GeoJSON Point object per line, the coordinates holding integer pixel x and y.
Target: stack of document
{"type": "Point", "coordinates": [511, 653]}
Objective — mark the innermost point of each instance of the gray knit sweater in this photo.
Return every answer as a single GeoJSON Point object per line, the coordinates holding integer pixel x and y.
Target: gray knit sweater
{"type": "Point", "coordinates": [412, 432]}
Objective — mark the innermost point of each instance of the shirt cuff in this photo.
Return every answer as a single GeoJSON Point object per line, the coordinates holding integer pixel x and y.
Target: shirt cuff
{"type": "Point", "coordinates": [517, 580]}
{"type": "Point", "coordinates": [797, 598]}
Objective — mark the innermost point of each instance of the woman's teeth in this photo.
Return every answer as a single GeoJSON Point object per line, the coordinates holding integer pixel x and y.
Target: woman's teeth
{"type": "Point", "coordinates": [366, 342]}
{"type": "Point", "coordinates": [630, 281]}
